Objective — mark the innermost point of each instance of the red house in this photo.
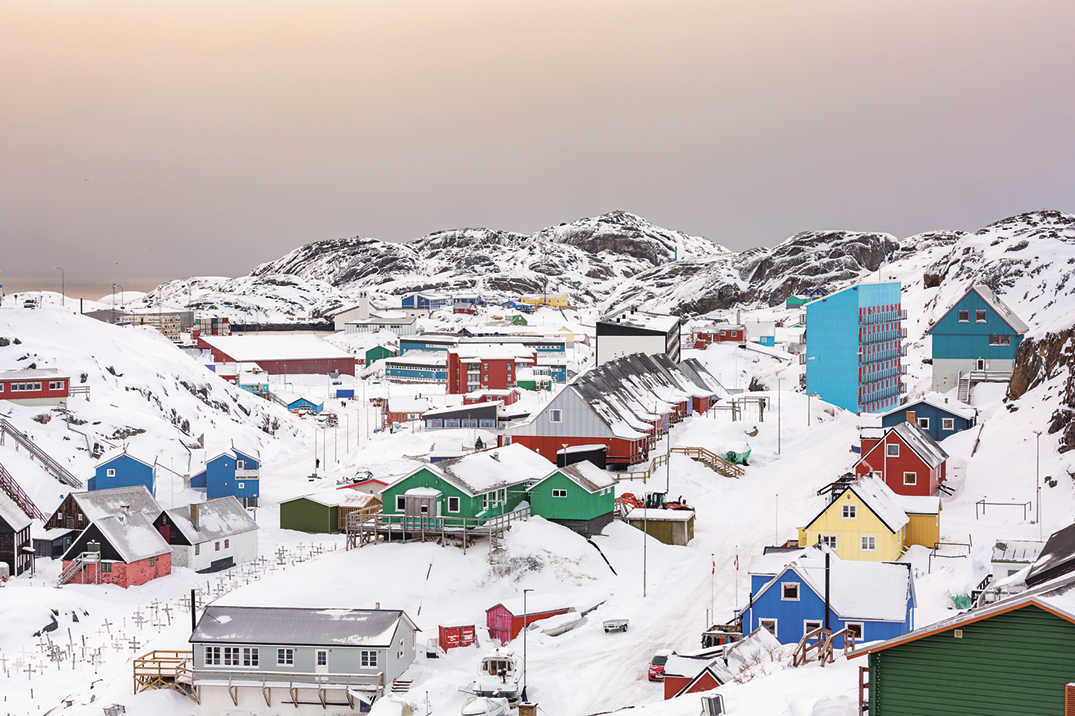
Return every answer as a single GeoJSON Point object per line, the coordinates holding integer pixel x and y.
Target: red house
{"type": "Point", "coordinates": [688, 674]}
{"type": "Point", "coordinates": [125, 550]}
{"type": "Point", "coordinates": [483, 366]}
{"type": "Point", "coordinates": [457, 633]}
{"type": "Point", "coordinates": [36, 386]}
{"type": "Point", "coordinates": [280, 354]}
{"type": "Point", "coordinates": [508, 397]}
{"type": "Point", "coordinates": [505, 620]}
{"type": "Point", "coordinates": [718, 333]}
{"type": "Point", "coordinates": [401, 410]}
{"type": "Point", "coordinates": [905, 457]}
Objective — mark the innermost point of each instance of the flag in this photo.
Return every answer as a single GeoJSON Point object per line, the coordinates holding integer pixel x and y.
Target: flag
{"type": "Point", "coordinates": [736, 561]}
{"type": "Point", "coordinates": [714, 558]}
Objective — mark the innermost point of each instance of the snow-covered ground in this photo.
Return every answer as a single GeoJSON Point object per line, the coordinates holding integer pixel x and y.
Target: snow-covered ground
{"type": "Point", "coordinates": [139, 382]}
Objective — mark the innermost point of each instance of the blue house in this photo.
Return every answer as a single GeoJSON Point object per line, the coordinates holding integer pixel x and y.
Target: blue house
{"type": "Point", "coordinates": [853, 347]}
{"type": "Point", "coordinates": [306, 405]}
{"type": "Point", "coordinates": [937, 415]}
{"type": "Point", "coordinates": [978, 333]}
{"type": "Point", "coordinates": [873, 599]}
{"type": "Point", "coordinates": [119, 468]}
{"type": "Point", "coordinates": [429, 301]}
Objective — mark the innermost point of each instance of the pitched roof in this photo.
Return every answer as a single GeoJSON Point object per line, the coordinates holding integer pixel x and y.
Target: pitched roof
{"type": "Point", "coordinates": [1056, 596]}
{"type": "Point", "coordinates": [535, 604]}
{"type": "Point", "coordinates": [217, 518]}
{"type": "Point", "coordinates": [301, 627]}
{"type": "Point", "coordinates": [1057, 556]}
{"type": "Point", "coordinates": [340, 497]}
{"type": "Point", "coordinates": [1016, 550]}
{"type": "Point", "coordinates": [125, 450]}
{"type": "Point", "coordinates": [493, 469]}
{"type": "Point", "coordinates": [878, 499]}
{"type": "Point", "coordinates": [914, 437]}
{"type": "Point", "coordinates": [941, 402]}
{"type": "Point", "coordinates": [133, 536]}
{"type": "Point", "coordinates": [282, 347]}
{"type": "Point", "coordinates": [584, 474]}
{"type": "Point", "coordinates": [104, 503]}
{"type": "Point", "coordinates": [12, 514]}
{"type": "Point", "coordinates": [991, 299]}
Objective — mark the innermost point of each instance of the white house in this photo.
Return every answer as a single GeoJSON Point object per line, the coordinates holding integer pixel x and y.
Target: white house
{"type": "Point", "coordinates": [210, 536]}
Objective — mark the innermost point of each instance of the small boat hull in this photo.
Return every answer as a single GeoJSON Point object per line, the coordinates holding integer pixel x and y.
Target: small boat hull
{"type": "Point", "coordinates": [484, 706]}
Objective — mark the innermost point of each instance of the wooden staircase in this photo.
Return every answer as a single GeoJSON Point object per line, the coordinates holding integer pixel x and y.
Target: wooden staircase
{"type": "Point", "coordinates": [823, 646]}
{"type": "Point", "coordinates": [20, 498]}
{"type": "Point", "coordinates": [967, 381]}
{"type": "Point", "coordinates": [50, 466]}
{"type": "Point", "coordinates": [707, 457]}
{"type": "Point", "coordinates": [401, 686]}
{"type": "Point", "coordinates": [78, 564]}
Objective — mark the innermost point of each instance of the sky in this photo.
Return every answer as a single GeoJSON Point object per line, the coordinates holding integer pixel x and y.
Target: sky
{"type": "Point", "coordinates": [204, 137]}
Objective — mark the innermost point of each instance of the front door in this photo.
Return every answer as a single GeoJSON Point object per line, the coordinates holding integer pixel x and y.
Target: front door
{"type": "Point", "coordinates": [321, 661]}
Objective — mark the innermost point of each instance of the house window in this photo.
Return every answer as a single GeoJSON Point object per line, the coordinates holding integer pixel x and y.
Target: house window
{"type": "Point", "coordinates": [231, 656]}
{"type": "Point", "coordinates": [789, 591]}
{"type": "Point", "coordinates": [963, 316]}
{"type": "Point", "coordinates": [106, 566]}
{"type": "Point", "coordinates": [217, 544]}
{"type": "Point", "coordinates": [829, 541]}
{"type": "Point", "coordinates": [556, 416]}
{"type": "Point", "coordinates": [239, 465]}
{"type": "Point", "coordinates": [855, 628]}
{"type": "Point", "coordinates": [923, 423]}
{"type": "Point", "coordinates": [948, 423]}
{"type": "Point", "coordinates": [285, 657]}
{"type": "Point", "coordinates": [227, 543]}
{"type": "Point", "coordinates": [869, 543]}
{"type": "Point", "coordinates": [401, 503]}
{"type": "Point", "coordinates": [1005, 340]}
{"type": "Point", "coordinates": [980, 317]}
{"type": "Point", "coordinates": [242, 485]}
{"type": "Point", "coordinates": [368, 659]}
{"type": "Point", "coordinates": [768, 625]}
{"type": "Point", "coordinates": [79, 516]}
{"type": "Point", "coordinates": [850, 512]}
{"type": "Point", "coordinates": [559, 493]}
{"type": "Point", "coordinates": [810, 625]}
{"type": "Point", "coordinates": [322, 658]}
{"type": "Point", "coordinates": [110, 472]}
{"type": "Point", "coordinates": [197, 550]}
{"type": "Point", "coordinates": [453, 504]}
{"type": "Point", "coordinates": [250, 656]}
{"type": "Point", "coordinates": [212, 656]}
{"type": "Point", "coordinates": [910, 478]}
{"type": "Point", "coordinates": [893, 450]}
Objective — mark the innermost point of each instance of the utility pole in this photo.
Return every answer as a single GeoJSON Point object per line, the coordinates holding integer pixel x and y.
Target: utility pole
{"type": "Point", "coordinates": [525, 629]}
{"type": "Point", "coordinates": [1037, 477]}
{"type": "Point", "coordinates": [778, 395]}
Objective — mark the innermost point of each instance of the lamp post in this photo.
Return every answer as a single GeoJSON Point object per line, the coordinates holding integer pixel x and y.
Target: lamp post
{"type": "Point", "coordinates": [121, 302]}
{"type": "Point", "coordinates": [778, 394]}
{"type": "Point", "coordinates": [808, 388]}
{"type": "Point", "coordinates": [63, 288]}
{"type": "Point", "coordinates": [1037, 477]}
{"type": "Point", "coordinates": [525, 629]}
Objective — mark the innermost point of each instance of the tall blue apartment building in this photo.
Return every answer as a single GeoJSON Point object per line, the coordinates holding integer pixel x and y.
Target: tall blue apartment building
{"type": "Point", "coordinates": [854, 345]}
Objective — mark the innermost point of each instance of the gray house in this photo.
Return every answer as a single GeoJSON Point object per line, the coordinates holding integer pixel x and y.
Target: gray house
{"type": "Point", "coordinates": [282, 660]}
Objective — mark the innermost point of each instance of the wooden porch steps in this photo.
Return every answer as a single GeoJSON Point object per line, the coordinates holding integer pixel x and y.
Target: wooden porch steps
{"type": "Point", "coordinates": [401, 686]}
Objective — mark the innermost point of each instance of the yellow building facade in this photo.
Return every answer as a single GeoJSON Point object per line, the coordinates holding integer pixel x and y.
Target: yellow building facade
{"type": "Point", "coordinates": [855, 531]}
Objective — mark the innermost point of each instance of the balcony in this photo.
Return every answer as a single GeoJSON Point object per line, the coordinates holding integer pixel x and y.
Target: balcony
{"type": "Point", "coordinates": [247, 474]}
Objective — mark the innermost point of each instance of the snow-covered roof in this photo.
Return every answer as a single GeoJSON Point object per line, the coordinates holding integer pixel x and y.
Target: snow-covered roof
{"type": "Point", "coordinates": [32, 374]}
{"type": "Point", "coordinates": [475, 408]}
{"type": "Point", "coordinates": [1058, 555]}
{"type": "Point", "coordinates": [1001, 308]}
{"type": "Point", "coordinates": [878, 498]}
{"type": "Point", "coordinates": [230, 449]}
{"type": "Point", "coordinates": [217, 518]}
{"type": "Point", "coordinates": [920, 442]}
{"type": "Point", "coordinates": [422, 358]}
{"type": "Point", "coordinates": [338, 498]}
{"type": "Point", "coordinates": [1017, 550]}
{"type": "Point", "coordinates": [536, 603]}
{"type": "Point", "coordinates": [12, 514]}
{"type": "Point", "coordinates": [403, 404]}
{"type": "Point", "coordinates": [98, 504]}
{"type": "Point", "coordinates": [282, 347]}
{"type": "Point", "coordinates": [641, 319]}
{"type": "Point", "coordinates": [493, 469]}
{"type": "Point", "coordinates": [400, 321]}
{"type": "Point", "coordinates": [584, 474]}
{"type": "Point", "coordinates": [857, 589]}
{"type": "Point", "coordinates": [680, 665]}
{"type": "Point", "coordinates": [639, 514]}
{"type": "Point", "coordinates": [941, 402]}
{"type": "Point", "coordinates": [126, 450]}
{"type": "Point", "coordinates": [919, 504]}
{"type": "Point", "coordinates": [493, 351]}
{"type": "Point", "coordinates": [132, 536]}
{"type": "Point", "coordinates": [301, 627]}
{"type": "Point", "coordinates": [771, 564]}
{"type": "Point", "coordinates": [423, 492]}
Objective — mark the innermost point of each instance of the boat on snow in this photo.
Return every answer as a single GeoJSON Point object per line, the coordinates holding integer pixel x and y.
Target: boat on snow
{"type": "Point", "coordinates": [498, 676]}
{"type": "Point", "coordinates": [485, 706]}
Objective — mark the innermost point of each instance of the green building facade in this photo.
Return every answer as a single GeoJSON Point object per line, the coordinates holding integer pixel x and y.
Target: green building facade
{"type": "Point", "coordinates": [580, 496]}
{"type": "Point", "coordinates": [307, 514]}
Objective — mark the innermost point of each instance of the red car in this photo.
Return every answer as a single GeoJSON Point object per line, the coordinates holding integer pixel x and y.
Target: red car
{"type": "Point", "coordinates": [656, 665]}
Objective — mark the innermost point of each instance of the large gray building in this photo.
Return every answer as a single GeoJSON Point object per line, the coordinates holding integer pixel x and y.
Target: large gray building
{"type": "Point", "coordinates": [629, 330]}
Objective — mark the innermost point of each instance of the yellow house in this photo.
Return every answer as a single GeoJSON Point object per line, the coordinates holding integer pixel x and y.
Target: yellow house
{"type": "Point", "coordinates": [560, 301]}
{"type": "Point", "coordinates": [866, 522]}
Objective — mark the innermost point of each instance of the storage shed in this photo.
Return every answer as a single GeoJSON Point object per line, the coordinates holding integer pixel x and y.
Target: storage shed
{"type": "Point", "coordinates": [455, 633]}
{"type": "Point", "coordinates": [669, 526]}
{"type": "Point", "coordinates": [505, 620]}
{"type": "Point", "coordinates": [316, 513]}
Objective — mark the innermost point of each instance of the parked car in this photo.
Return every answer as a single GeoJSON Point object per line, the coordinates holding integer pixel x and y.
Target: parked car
{"type": "Point", "coordinates": [656, 664]}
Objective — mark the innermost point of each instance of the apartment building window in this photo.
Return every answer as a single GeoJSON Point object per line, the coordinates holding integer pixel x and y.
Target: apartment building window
{"type": "Point", "coordinates": [893, 450]}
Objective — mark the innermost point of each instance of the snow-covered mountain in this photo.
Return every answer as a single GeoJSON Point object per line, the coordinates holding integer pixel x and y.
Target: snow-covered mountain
{"type": "Point", "coordinates": [621, 258]}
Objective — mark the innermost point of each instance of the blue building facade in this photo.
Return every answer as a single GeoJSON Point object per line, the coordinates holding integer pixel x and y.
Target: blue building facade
{"type": "Point", "coordinates": [122, 470]}
{"type": "Point", "coordinates": [428, 301]}
{"type": "Point", "coordinates": [978, 333]}
{"type": "Point", "coordinates": [937, 417]}
{"type": "Point", "coordinates": [792, 603]}
{"type": "Point", "coordinates": [233, 473]}
{"type": "Point", "coordinates": [551, 352]}
{"type": "Point", "coordinates": [854, 346]}
{"type": "Point", "coordinates": [303, 404]}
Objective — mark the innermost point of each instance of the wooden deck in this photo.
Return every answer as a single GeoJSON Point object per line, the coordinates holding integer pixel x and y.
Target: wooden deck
{"type": "Point", "coordinates": [707, 457]}
{"type": "Point", "coordinates": [368, 527]}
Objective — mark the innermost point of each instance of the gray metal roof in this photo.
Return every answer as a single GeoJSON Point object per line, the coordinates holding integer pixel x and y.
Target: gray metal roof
{"type": "Point", "coordinates": [1017, 550]}
{"type": "Point", "coordinates": [299, 627]}
{"type": "Point", "coordinates": [924, 446]}
{"type": "Point", "coordinates": [217, 518]}
{"type": "Point", "coordinates": [97, 504]}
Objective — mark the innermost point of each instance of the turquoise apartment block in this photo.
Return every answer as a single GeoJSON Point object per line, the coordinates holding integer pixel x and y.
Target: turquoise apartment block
{"type": "Point", "coordinates": [854, 345]}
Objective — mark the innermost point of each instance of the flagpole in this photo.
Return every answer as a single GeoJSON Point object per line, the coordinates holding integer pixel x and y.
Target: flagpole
{"type": "Point", "coordinates": [737, 576]}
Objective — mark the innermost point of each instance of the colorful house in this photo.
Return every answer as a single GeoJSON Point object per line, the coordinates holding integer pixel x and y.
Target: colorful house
{"type": "Point", "coordinates": [853, 347]}
{"type": "Point", "coordinates": [686, 674]}
{"type": "Point", "coordinates": [379, 353]}
{"type": "Point", "coordinates": [476, 487]}
{"type": "Point", "coordinates": [428, 301]}
{"type": "Point", "coordinates": [978, 333]}
{"type": "Point", "coordinates": [1012, 657]}
{"type": "Point", "coordinates": [718, 333]}
{"type": "Point", "coordinates": [864, 522]}
{"type": "Point", "coordinates": [938, 415]}
{"type": "Point", "coordinates": [580, 496]}
{"type": "Point", "coordinates": [478, 415]}
{"type": "Point", "coordinates": [473, 367]}
{"type": "Point", "coordinates": [209, 536]}
{"type": "Point", "coordinates": [554, 301]}
{"type": "Point", "coordinates": [35, 386]}
{"type": "Point", "coordinates": [874, 600]}
{"type": "Point", "coordinates": [121, 468]}
{"type": "Point", "coordinates": [306, 404]}
{"type": "Point", "coordinates": [125, 550]}
{"type": "Point", "coordinates": [16, 550]}
{"type": "Point", "coordinates": [506, 619]}
{"type": "Point", "coordinates": [908, 460]}
{"type": "Point", "coordinates": [417, 367]}
{"type": "Point", "coordinates": [231, 472]}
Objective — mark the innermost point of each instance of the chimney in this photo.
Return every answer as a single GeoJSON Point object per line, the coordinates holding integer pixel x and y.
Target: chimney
{"type": "Point", "coordinates": [377, 605]}
{"type": "Point", "coordinates": [194, 516]}
{"type": "Point", "coordinates": [910, 417]}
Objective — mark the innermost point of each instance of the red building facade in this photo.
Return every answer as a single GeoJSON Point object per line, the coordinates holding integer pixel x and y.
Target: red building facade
{"type": "Point", "coordinates": [485, 367]}
{"type": "Point", "coordinates": [41, 386]}
{"type": "Point", "coordinates": [505, 621]}
{"type": "Point", "coordinates": [905, 457]}
{"type": "Point", "coordinates": [719, 333]}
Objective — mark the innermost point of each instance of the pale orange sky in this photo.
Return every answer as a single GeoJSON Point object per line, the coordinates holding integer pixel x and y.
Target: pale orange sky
{"type": "Point", "coordinates": [203, 137]}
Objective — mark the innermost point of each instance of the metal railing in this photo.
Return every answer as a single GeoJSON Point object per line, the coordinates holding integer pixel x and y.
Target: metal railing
{"type": "Point", "coordinates": [20, 498]}
{"type": "Point", "coordinates": [266, 681]}
{"type": "Point", "coordinates": [51, 466]}
{"type": "Point", "coordinates": [159, 669]}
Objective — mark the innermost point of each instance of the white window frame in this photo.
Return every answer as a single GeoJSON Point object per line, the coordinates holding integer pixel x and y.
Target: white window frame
{"type": "Point", "coordinates": [368, 658]}
{"type": "Point", "coordinates": [849, 512]}
{"type": "Point", "coordinates": [830, 541]}
{"type": "Point", "coordinates": [859, 638]}
{"type": "Point", "coordinates": [892, 450]}
{"type": "Point", "coordinates": [807, 622]}
{"type": "Point", "coordinates": [317, 657]}
{"type": "Point", "coordinates": [762, 623]}
{"type": "Point", "coordinates": [242, 485]}
{"type": "Point", "coordinates": [867, 543]}
{"type": "Point", "coordinates": [251, 658]}
{"type": "Point", "coordinates": [453, 500]}
{"type": "Point", "coordinates": [285, 656]}
{"type": "Point", "coordinates": [948, 423]}
{"type": "Point", "coordinates": [923, 423]}
{"type": "Point", "coordinates": [556, 415]}
{"type": "Point", "coordinates": [239, 465]}
{"type": "Point", "coordinates": [401, 503]}
{"type": "Point", "coordinates": [914, 478]}
{"type": "Point", "coordinates": [110, 472]}
{"type": "Point", "coordinates": [783, 595]}
{"type": "Point", "coordinates": [559, 492]}
{"type": "Point", "coordinates": [232, 655]}
{"type": "Point", "coordinates": [212, 656]}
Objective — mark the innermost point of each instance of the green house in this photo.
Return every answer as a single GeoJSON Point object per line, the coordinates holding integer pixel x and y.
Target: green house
{"type": "Point", "coordinates": [317, 513]}
{"type": "Point", "coordinates": [470, 489]}
{"type": "Point", "coordinates": [580, 496]}
{"type": "Point", "coordinates": [1013, 657]}
{"type": "Point", "coordinates": [378, 353]}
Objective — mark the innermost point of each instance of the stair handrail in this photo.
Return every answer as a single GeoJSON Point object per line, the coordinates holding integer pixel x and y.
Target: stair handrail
{"type": "Point", "coordinates": [51, 466]}
{"type": "Point", "coordinates": [20, 498]}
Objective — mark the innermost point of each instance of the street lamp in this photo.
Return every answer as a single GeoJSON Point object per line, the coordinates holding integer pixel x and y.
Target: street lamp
{"type": "Point", "coordinates": [1037, 477]}
{"type": "Point", "coordinates": [778, 415]}
{"type": "Point", "coordinates": [522, 694]}
{"type": "Point", "coordinates": [63, 289]}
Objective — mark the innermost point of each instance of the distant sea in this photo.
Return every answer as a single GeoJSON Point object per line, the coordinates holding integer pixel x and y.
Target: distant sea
{"type": "Point", "coordinates": [76, 287]}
